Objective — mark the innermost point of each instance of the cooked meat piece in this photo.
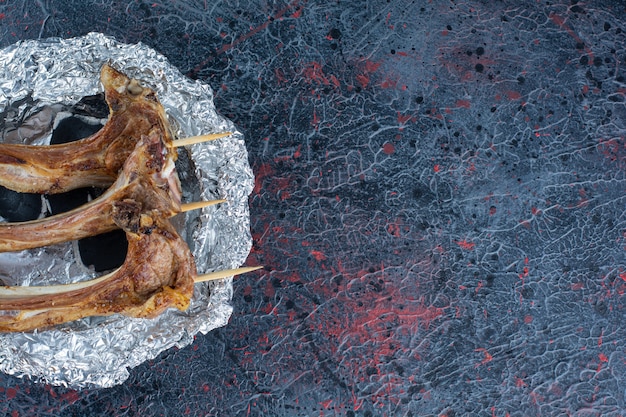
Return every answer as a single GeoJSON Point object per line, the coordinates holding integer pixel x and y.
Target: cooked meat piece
{"type": "Point", "coordinates": [148, 179]}
{"type": "Point", "coordinates": [95, 160]}
{"type": "Point", "coordinates": [157, 274]}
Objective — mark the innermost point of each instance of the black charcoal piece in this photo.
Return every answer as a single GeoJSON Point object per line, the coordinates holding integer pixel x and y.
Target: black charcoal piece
{"type": "Point", "coordinates": [60, 203]}
{"type": "Point", "coordinates": [73, 128]}
{"type": "Point", "coordinates": [93, 106]}
{"type": "Point", "coordinates": [19, 207]}
{"type": "Point", "coordinates": [104, 252]}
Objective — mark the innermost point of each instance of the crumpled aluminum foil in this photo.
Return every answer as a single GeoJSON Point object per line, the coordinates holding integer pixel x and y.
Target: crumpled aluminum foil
{"type": "Point", "coordinates": [38, 78]}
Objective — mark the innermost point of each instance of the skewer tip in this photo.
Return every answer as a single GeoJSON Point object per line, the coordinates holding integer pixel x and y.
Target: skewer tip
{"type": "Point", "coordinates": [199, 139]}
{"type": "Point", "coordinates": [198, 205]}
{"type": "Point", "coordinates": [225, 273]}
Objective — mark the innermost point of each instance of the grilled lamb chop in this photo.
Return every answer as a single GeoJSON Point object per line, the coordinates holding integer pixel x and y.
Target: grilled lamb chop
{"type": "Point", "coordinates": [95, 160]}
{"type": "Point", "coordinates": [158, 274]}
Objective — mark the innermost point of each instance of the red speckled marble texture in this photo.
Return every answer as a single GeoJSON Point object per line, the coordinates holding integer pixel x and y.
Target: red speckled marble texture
{"type": "Point", "coordinates": [439, 205]}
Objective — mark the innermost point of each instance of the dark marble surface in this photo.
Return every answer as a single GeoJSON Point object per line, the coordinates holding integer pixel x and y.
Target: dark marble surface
{"type": "Point", "coordinates": [439, 203]}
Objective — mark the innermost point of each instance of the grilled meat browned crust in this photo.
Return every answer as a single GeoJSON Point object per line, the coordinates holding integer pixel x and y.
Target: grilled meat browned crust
{"type": "Point", "coordinates": [95, 160]}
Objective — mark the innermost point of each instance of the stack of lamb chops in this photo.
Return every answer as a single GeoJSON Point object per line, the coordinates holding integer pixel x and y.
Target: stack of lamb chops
{"type": "Point", "coordinates": [133, 155]}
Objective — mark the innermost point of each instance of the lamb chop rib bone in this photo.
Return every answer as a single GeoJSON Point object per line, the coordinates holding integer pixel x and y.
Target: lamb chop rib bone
{"type": "Point", "coordinates": [94, 161]}
{"type": "Point", "coordinates": [139, 288]}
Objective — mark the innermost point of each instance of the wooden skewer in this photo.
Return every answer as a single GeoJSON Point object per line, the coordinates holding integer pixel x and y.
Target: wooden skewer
{"type": "Point", "coordinates": [8, 292]}
{"type": "Point", "coordinates": [199, 139]}
{"type": "Point", "coordinates": [225, 273]}
{"type": "Point", "coordinates": [198, 205]}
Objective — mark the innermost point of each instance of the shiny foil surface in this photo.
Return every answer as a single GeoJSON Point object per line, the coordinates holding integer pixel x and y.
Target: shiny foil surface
{"type": "Point", "coordinates": [38, 79]}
